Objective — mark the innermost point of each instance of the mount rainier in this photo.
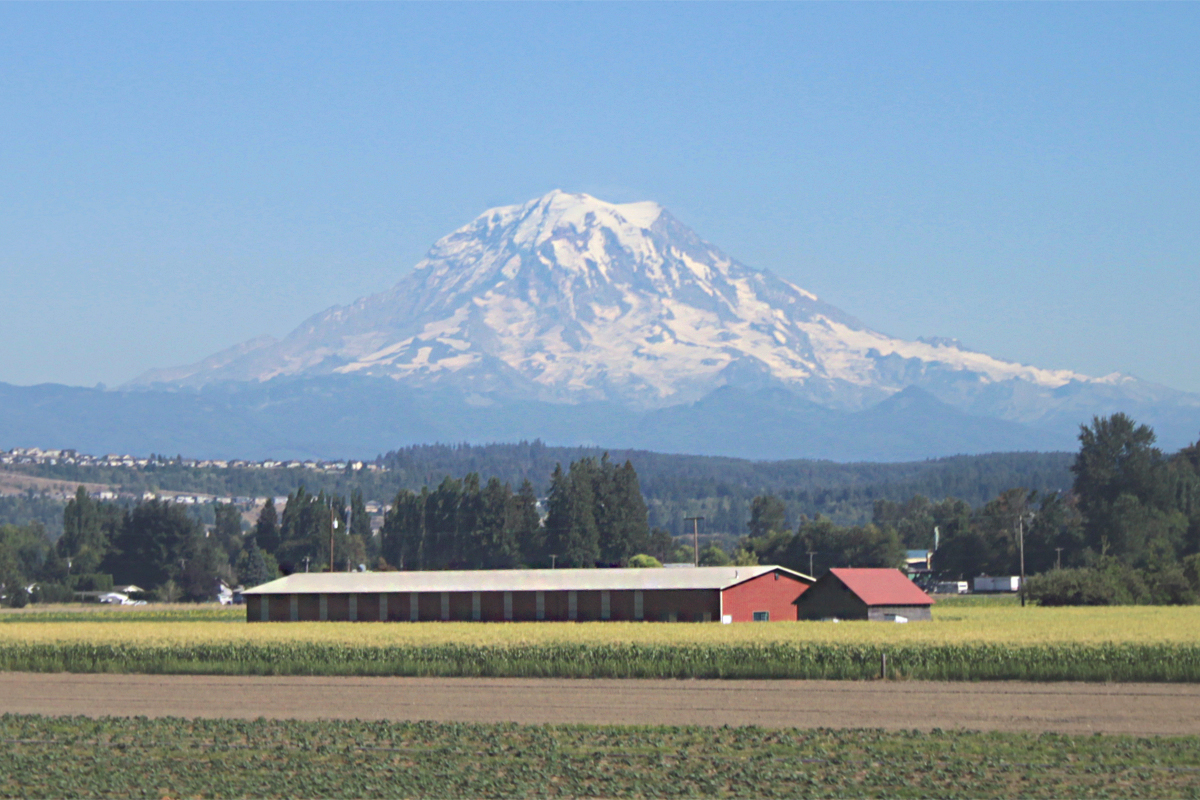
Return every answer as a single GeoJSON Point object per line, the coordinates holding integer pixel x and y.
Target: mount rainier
{"type": "Point", "coordinates": [582, 321]}
{"type": "Point", "coordinates": [568, 298]}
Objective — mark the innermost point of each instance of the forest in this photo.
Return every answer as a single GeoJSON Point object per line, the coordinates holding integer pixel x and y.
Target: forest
{"type": "Point", "coordinates": [1126, 529]}
{"type": "Point", "coordinates": [674, 486]}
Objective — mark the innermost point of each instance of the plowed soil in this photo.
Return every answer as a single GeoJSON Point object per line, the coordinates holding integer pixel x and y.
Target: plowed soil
{"type": "Point", "coordinates": [1141, 709]}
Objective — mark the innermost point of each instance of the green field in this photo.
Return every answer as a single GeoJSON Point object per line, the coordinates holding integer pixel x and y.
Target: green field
{"type": "Point", "coordinates": [81, 757]}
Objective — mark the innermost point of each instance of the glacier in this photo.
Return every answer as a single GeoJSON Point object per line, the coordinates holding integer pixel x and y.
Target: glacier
{"type": "Point", "coordinates": [570, 301]}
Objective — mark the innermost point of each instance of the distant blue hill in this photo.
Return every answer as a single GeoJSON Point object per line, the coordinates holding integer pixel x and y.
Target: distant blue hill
{"type": "Point", "coordinates": [340, 417]}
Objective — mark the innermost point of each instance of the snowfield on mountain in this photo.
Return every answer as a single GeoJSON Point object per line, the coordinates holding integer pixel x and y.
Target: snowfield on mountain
{"type": "Point", "coordinates": [571, 299]}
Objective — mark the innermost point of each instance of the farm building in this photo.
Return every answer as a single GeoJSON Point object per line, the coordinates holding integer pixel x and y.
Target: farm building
{"type": "Point", "coordinates": [698, 594]}
{"type": "Point", "coordinates": [876, 594]}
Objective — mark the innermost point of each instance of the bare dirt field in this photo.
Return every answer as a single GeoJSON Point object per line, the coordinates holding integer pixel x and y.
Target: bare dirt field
{"type": "Point", "coordinates": [1140, 709]}
{"type": "Point", "coordinates": [12, 482]}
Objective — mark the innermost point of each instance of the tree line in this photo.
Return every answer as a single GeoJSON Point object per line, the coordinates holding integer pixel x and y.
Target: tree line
{"type": "Point", "coordinates": [1128, 530]}
{"type": "Point", "coordinates": [594, 515]}
{"type": "Point", "coordinates": [1130, 519]}
{"type": "Point", "coordinates": [674, 486]}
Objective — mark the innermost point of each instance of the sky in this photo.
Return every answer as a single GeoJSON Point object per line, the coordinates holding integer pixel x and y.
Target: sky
{"type": "Point", "coordinates": [177, 178]}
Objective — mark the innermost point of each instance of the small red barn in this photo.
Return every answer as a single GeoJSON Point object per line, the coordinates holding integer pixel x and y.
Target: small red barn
{"type": "Point", "coordinates": [875, 594]}
{"type": "Point", "coordinates": [692, 594]}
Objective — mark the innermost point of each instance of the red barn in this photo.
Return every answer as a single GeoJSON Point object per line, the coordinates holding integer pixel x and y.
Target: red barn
{"type": "Point", "coordinates": [876, 594]}
{"type": "Point", "coordinates": [691, 594]}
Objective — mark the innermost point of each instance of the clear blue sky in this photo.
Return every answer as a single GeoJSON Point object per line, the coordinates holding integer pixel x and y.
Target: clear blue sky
{"type": "Point", "coordinates": [177, 178]}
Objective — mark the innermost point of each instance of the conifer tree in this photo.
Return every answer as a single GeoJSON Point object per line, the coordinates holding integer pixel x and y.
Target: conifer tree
{"type": "Point", "coordinates": [527, 524]}
{"type": "Point", "coordinates": [626, 528]}
{"type": "Point", "coordinates": [571, 533]}
{"type": "Point", "coordinates": [88, 526]}
{"type": "Point", "coordinates": [227, 530]}
{"type": "Point", "coordinates": [266, 530]}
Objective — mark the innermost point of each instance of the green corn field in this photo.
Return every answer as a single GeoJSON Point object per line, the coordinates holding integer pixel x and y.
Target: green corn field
{"type": "Point", "coordinates": [970, 661]}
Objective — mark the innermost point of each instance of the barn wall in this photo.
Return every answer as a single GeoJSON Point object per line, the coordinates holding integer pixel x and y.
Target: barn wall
{"type": "Point", "coordinates": [828, 598]}
{"type": "Point", "coordinates": [774, 592]}
{"type": "Point", "coordinates": [658, 605]}
{"type": "Point", "coordinates": [913, 613]}
{"type": "Point", "coordinates": [681, 605]}
{"type": "Point", "coordinates": [280, 607]}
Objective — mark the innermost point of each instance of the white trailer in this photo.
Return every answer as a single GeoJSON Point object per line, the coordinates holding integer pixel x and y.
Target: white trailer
{"type": "Point", "coordinates": [1003, 583]}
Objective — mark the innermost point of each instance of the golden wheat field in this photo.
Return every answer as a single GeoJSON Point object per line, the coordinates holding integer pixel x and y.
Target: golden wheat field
{"type": "Point", "coordinates": [1000, 624]}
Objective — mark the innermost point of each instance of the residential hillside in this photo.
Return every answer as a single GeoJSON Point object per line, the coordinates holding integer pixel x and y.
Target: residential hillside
{"type": "Point", "coordinates": [674, 486]}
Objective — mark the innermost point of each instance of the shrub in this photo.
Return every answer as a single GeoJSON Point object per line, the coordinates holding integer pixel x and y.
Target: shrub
{"type": "Point", "coordinates": [94, 582]}
{"type": "Point", "coordinates": [53, 593]}
{"type": "Point", "coordinates": [1074, 587]}
{"type": "Point", "coordinates": [1112, 584]}
{"type": "Point", "coordinates": [643, 560]}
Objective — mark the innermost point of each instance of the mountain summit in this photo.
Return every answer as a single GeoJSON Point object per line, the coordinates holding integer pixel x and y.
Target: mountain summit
{"type": "Point", "coordinates": [569, 299]}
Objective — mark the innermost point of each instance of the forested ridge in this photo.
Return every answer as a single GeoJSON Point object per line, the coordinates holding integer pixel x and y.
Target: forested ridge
{"type": "Point", "coordinates": [1125, 529]}
{"type": "Point", "coordinates": [674, 486]}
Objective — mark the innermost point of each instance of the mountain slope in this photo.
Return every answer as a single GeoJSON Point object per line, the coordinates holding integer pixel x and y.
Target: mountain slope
{"type": "Point", "coordinates": [570, 299]}
{"type": "Point", "coordinates": [339, 417]}
{"type": "Point", "coordinates": [585, 322]}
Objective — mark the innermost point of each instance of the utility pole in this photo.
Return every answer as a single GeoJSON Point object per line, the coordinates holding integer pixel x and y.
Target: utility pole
{"type": "Point", "coordinates": [332, 527]}
{"type": "Point", "coordinates": [1058, 558]}
{"type": "Point", "coordinates": [306, 560]}
{"type": "Point", "coordinates": [811, 553]}
{"type": "Point", "coordinates": [695, 537]}
{"type": "Point", "coordinates": [553, 559]}
{"type": "Point", "coordinates": [1021, 544]}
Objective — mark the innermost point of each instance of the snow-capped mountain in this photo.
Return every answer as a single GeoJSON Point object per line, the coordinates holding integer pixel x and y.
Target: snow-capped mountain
{"type": "Point", "coordinates": [569, 299]}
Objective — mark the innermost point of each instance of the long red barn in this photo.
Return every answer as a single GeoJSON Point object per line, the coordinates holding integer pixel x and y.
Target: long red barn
{"type": "Point", "coordinates": [691, 594]}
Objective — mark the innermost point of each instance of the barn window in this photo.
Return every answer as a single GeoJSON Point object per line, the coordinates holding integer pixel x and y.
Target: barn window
{"type": "Point", "coordinates": [762, 616]}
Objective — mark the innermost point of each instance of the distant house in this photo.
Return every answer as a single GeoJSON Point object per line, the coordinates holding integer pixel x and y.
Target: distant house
{"type": "Point", "coordinates": [874, 594]}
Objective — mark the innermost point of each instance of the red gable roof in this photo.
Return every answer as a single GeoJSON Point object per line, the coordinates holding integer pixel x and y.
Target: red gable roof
{"type": "Point", "coordinates": [882, 587]}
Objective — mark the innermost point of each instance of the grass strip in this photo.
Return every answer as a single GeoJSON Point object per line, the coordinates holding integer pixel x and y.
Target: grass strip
{"type": "Point", "coordinates": [965, 662]}
{"type": "Point", "coordinates": [172, 757]}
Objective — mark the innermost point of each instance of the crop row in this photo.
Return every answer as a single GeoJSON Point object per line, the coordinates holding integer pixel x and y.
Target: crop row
{"type": "Point", "coordinates": [171, 757]}
{"type": "Point", "coordinates": [971, 661]}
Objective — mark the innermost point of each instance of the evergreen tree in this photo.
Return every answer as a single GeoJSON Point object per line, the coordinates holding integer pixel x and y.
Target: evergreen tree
{"type": "Point", "coordinates": [88, 526]}
{"type": "Point", "coordinates": [403, 537]}
{"type": "Point", "coordinates": [571, 532]}
{"type": "Point", "coordinates": [227, 529]}
{"type": "Point", "coordinates": [626, 531]}
{"type": "Point", "coordinates": [1126, 493]}
{"type": "Point", "coordinates": [767, 515]}
{"type": "Point", "coordinates": [499, 518]}
{"type": "Point", "coordinates": [527, 524]}
{"type": "Point", "coordinates": [471, 539]}
{"type": "Point", "coordinates": [442, 524]}
{"type": "Point", "coordinates": [154, 543]}
{"type": "Point", "coordinates": [360, 520]}
{"type": "Point", "coordinates": [305, 532]}
{"type": "Point", "coordinates": [266, 531]}
{"type": "Point", "coordinates": [254, 569]}
{"type": "Point", "coordinates": [205, 567]}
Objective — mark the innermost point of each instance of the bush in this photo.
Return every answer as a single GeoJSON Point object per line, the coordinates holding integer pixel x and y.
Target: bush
{"type": "Point", "coordinates": [53, 593]}
{"type": "Point", "coordinates": [643, 560]}
{"type": "Point", "coordinates": [95, 582]}
{"type": "Point", "coordinates": [1075, 587]}
{"type": "Point", "coordinates": [1113, 584]}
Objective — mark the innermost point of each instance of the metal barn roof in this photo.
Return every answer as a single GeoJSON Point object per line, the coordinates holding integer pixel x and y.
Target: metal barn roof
{"type": "Point", "coordinates": [516, 580]}
{"type": "Point", "coordinates": [882, 587]}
